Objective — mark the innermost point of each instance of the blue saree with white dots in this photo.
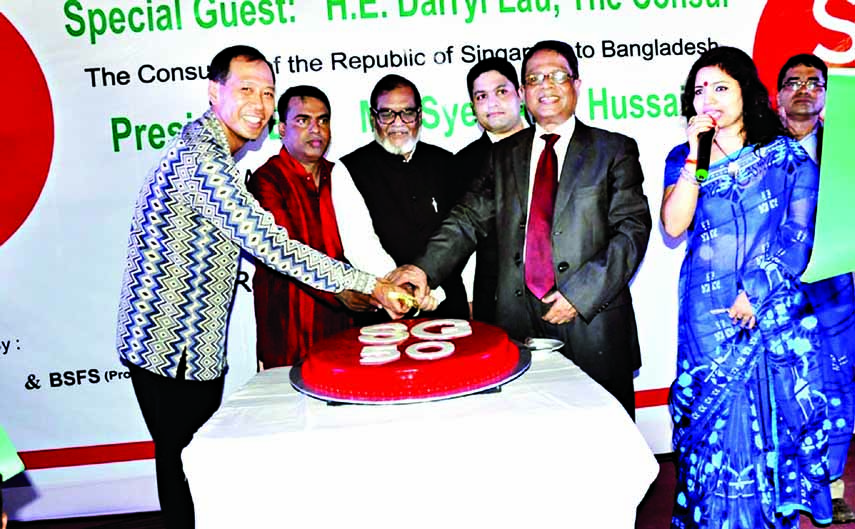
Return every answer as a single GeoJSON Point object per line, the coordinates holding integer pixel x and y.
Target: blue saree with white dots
{"type": "Point", "coordinates": [762, 417]}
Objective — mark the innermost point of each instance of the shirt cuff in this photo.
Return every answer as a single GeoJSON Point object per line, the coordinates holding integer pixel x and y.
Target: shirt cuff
{"type": "Point", "coordinates": [362, 282]}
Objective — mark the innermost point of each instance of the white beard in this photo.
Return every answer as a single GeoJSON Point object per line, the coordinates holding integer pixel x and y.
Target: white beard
{"type": "Point", "coordinates": [401, 150]}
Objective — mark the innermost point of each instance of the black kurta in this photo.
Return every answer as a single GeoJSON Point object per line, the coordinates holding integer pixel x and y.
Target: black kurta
{"type": "Point", "coordinates": [407, 202]}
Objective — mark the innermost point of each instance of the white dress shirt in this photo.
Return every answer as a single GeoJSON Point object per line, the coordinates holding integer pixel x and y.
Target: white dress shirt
{"type": "Point", "coordinates": [809, 143]}
{"type": "Point", "coordinates": [565, 133]}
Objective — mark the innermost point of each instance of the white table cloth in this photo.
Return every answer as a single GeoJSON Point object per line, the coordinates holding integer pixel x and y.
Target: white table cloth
{"type": "Point", "coordinates": [552, 449]}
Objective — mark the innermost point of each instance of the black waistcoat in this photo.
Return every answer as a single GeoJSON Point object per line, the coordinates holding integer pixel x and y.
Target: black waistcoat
{"type": "Point", "coordinates": [407, 202]}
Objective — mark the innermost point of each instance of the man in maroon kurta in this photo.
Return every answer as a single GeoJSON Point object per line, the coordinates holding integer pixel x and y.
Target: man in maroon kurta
{"type": "Point", "coordinates": [294, 186]}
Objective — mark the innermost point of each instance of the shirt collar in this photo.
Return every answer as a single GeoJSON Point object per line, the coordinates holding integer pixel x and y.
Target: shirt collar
{"type": "Point", "coordinates": [211, 122]}
{"type": "Point", "coordinates": [494, 137]}
{"type": "Point", "coordinates": [816, 127]}
{"type": "Point", "coordinates": [565, 130]}
{"type": "Point", "coordinates": [404, 158]}
{"type": "Point", "coordinates": [409, 156]}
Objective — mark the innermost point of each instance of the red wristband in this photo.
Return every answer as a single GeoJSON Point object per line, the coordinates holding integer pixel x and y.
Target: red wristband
{"type": "Point", "coordinates": [690, 161]}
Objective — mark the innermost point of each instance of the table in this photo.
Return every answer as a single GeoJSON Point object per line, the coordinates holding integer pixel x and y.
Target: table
{"type": "Point", "coordinates": [552, 449]}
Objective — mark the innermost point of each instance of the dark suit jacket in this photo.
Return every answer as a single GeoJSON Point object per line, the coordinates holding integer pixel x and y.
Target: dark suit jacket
{"type": "Point", "coordinates": [601, 226]}
{"type": "Point", "coordinates": [819, 130]}
{"type": "Point", "coordinates": [469, 161]}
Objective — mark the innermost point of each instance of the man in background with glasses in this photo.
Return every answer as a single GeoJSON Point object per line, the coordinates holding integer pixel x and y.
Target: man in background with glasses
{"type": "Point", "coordinates": [572, 223]}
{"type": "Point", "coordinates": [801, 101]}
{"type": "Point", "coordinates": [408, 185]}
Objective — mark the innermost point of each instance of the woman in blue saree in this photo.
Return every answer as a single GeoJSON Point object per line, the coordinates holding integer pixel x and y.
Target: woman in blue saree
{"type": "Point", "coordinates": [761, 409]}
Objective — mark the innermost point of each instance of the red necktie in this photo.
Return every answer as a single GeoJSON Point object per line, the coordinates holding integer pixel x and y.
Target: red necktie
{"type": "Point", "coordinates": [539, 274]}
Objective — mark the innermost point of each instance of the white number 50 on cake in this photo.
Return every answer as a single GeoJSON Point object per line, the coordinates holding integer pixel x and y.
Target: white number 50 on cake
{"type": "Point", "coordinates": [409, 361]}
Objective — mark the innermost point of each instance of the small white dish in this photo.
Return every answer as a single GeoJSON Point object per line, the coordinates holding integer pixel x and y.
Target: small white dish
{"type": "Point", "coordinates": [543, 344]}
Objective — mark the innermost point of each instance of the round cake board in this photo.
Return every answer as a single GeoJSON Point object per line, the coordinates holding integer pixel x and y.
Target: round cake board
{"type": "Point", "coordinates": [522, 365]}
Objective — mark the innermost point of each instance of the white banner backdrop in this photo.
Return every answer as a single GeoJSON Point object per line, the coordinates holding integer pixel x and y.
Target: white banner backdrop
{"type": "Point", "coordinates": [123, 75]}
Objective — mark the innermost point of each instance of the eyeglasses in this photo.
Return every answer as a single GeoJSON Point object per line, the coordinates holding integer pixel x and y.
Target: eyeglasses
{"type": "Point", "coordinates": [810, 84]}
{"type": "Point", "coordinates": [557, 77]}
{"type": "Point", "coordinates": [387, 116]}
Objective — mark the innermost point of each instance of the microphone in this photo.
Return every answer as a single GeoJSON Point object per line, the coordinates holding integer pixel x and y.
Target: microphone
{"type": "Point", "coordinates": [705, 140]}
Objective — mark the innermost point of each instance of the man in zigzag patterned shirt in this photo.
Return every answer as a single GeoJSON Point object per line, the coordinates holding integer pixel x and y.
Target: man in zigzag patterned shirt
{"type": "Point", "coordinates": [193, 217]}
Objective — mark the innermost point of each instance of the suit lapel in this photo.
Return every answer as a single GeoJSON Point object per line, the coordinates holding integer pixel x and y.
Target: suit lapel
{"type": "Point", "coordinates": [521, 157]}
{"type": "Point", "coordinates": [574, 162]}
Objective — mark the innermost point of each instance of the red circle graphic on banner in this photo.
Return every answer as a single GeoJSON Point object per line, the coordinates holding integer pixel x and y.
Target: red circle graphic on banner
{"type": "Point", "coordinates": [825, 28]}
{"type": "Point", "coordinates": [28, 146]}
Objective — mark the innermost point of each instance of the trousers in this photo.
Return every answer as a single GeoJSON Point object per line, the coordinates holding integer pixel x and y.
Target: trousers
{"type": "Point", "coordinates": [173, 409]}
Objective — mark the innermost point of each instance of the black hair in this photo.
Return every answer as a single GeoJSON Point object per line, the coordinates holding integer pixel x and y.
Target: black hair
{"type": "Point", "coordinates": [561, 48]}
{"type": "Point", "coordinates": [220, 65]}
{"type": "Point", "coordinates": [499, 64]}
{"type": "Point", "coordinates": [302, 91]}
{"type": "Point", "coordinates": [759, 122]}
{"type": "Point", "coordinates": [391, 82]}
{"type": "Point", "coordinates": [802, 59]}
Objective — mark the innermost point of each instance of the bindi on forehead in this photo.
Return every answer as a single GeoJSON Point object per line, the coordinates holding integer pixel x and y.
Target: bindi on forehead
{"type": "Point", "coordinates": [721, 82]}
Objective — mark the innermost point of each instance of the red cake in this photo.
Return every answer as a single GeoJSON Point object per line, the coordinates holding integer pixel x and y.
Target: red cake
{"type": "Point", "coordinates": [429, 359]}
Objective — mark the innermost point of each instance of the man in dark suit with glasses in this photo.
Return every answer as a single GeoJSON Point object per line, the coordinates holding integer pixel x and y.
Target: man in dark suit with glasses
{"type": "Point", "coordinates": [408, 185]}
{"type": "Point", "coordinates": [572, 223]}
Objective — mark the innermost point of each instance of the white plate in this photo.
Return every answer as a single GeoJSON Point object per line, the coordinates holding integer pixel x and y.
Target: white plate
{"type": "Point", "coordinates": [543, 344]}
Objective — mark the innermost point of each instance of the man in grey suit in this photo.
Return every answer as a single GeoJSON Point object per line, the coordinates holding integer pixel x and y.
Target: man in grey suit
{"type": "Point", "coordinates": [567, 249]}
